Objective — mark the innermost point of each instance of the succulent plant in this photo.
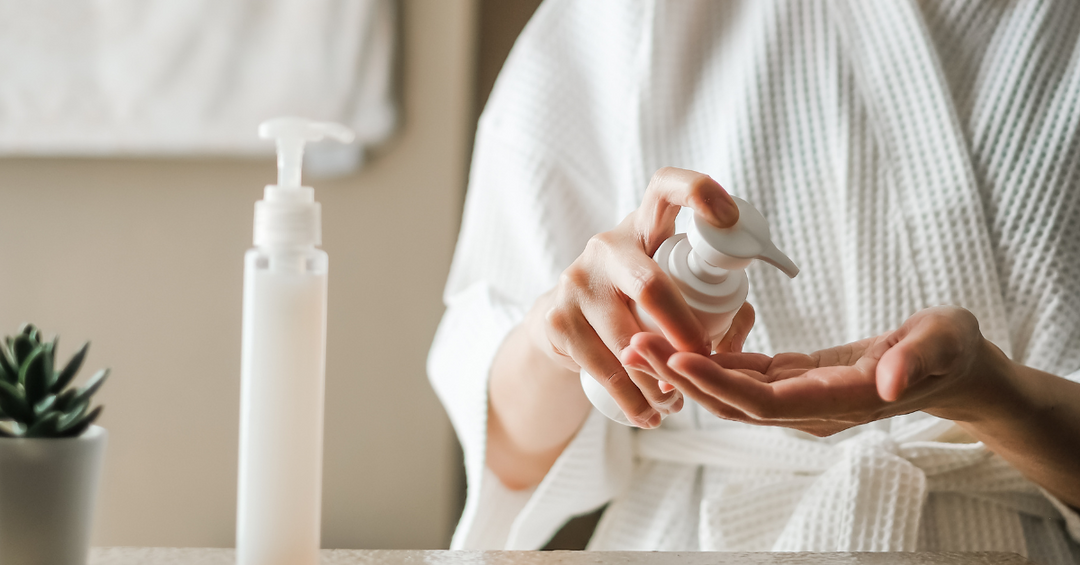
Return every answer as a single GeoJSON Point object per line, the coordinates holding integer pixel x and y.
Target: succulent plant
{"type": "Point", "coordinates": [35, 399]}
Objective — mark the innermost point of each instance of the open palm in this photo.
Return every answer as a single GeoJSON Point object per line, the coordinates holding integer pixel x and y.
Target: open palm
{"type": "Point", "coordinates": [923, 365]}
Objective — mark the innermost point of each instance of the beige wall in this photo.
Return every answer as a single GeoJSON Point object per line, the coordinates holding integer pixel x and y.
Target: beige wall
{"type": "Point", "coordinates": [143, 258]}
{"type": "Point", "coordinates": [500, 23]}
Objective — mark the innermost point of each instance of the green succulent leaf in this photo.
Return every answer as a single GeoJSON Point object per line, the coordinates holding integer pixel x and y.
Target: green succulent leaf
{"type": "Point", "coordinates": [13, 403]}
{"type": "Point", "coordinates": [65, 400]}
{"type": "Point", "coordinates": [49, 426]}
{"type": "Point", "coordinates": [65, 376]}
{"type": "Point", "coordinates": [50, 362]}
{"type": "Point", "coordinates": [45, 405]}
{"type": "Point", "coordinates": [21, 347]}
{"type": "Point", "coordinates": [8, 371]}
{"type": "Point", "coordinates": [90, 387]}
{"type": "Point", "coordinates": [78, 427]}
{"type": "Point", "coordinates": [74, 414]}
{"type": "Point", "coordinates": [34, 374]}
{"type": "Point", "coordinates": [36, 396]}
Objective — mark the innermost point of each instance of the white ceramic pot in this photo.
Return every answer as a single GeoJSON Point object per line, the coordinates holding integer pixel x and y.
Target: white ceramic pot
{"type": "Point", "coordinates": [47, 492]}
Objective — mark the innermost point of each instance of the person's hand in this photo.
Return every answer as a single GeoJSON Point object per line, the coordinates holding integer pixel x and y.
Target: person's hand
{"type": "Point", "coordinates": [937, 361]}
{"type": "Point", "coordinates": [586, 320]}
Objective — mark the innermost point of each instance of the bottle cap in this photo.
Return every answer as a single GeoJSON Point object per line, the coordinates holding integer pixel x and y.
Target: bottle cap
{"type": "Point", "coordinates": [735, 247]}
{"type": "Point", "coordinates": [288, 213]}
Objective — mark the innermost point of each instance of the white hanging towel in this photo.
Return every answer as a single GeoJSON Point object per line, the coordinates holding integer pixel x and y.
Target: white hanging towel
{"type": "Point", "coordinates": [191, 77]}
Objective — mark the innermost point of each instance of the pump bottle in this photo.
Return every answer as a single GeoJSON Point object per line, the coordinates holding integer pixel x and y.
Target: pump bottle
{"type": "Point", "coordinates": [283, 365]}
{"type": "Point", "coordinates": [708, 265]}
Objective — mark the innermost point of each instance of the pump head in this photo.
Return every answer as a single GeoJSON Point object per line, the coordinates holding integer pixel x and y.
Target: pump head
{"type": "Point", "coordinates": [291, 135]}
{"type": "Point", "coordinates": [288, 214]}
{"type": "Point", "coordinates": [735, 247]}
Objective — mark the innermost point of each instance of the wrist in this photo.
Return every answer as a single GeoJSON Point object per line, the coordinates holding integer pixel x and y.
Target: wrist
{"type": "Point", "coordinates": [990, 391]}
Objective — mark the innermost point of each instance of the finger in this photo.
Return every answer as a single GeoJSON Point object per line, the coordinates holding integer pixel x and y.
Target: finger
{"type": "Point", "coordinates": [711, 398]}
{"type": "Point", "coordinates": [572, 334]}
{"type": "Point", "coordinates": [641, 280]}
{"type": "Point", "coordinates": [706, 383]}
{"type": "Point", "coordinates": [720, 408]}
{"type": "Point", "coordinates": [829, 393]}
{"type": "Point", "coordinates": [666, 400]}
{"type": "Point", "coordinates": [616, 325]}
{"type": "Point", "coordinates": [632, 358]}
{"type": "Point", "coordinates": [657, 352]}
{"type": "Point", "coordinates": [645, 368]}
{"type": "Point", "coordinates": [661, 349]}
{"type": "Point", "coordinates": [658, 357]}
{"type": "Point", "coordinates": [741, 325]}
{"type": "Point", "coordinates": [651, 349]}
{"type": "Point", "coordinates": [672, 188]}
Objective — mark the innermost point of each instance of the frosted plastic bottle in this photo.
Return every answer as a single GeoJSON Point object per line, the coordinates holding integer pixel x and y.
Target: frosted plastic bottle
{"type": "Point", "coordinates": [283, 365]}
{"type": "Point", "coordinates": [708, 265]}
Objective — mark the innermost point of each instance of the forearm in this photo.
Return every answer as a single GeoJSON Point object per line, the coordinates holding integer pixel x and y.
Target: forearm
{"type": "Point", "coordinates": [535, 408]}
{"type": "Point", "coordinates": [1032, 419]}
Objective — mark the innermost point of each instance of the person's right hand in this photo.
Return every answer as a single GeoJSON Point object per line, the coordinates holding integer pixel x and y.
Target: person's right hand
{"type": "Point", "coordinates": [586, 321]}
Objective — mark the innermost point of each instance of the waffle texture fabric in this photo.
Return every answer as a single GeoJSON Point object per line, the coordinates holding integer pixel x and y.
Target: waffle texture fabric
{"type": "Point", "coordinates": [906, 154]}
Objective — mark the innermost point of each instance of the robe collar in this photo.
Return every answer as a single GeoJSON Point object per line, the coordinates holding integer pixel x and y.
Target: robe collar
{"type": "Point", "coordinates": [898, 75]}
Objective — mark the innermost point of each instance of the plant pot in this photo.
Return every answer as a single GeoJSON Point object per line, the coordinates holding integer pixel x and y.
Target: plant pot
{"type": "Point", "coordinates": [47, 492]}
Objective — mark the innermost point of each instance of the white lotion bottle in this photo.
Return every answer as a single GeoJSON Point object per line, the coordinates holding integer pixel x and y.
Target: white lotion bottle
{"type": "Point", "coordinates": [283, 365]}
{"type": "Point", "coordinates": [708, 265]}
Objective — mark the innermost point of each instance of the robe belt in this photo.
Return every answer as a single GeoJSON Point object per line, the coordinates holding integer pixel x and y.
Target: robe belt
{"type": "Point", "coordinates": [865, 493]}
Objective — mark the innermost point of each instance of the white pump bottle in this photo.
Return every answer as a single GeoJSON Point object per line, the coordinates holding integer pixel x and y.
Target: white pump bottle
{"type": "Point", "coordinates": [283, 365]}
{"type": "Point", "coordinates": [707, 264]}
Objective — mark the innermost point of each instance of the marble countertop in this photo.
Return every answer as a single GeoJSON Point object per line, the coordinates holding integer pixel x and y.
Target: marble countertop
{"type": "Point", "coordinates": [201, 556]}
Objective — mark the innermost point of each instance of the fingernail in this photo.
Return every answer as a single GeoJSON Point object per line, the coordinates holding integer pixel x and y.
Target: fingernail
{"type": "Point", "coordinates": [726, 211]}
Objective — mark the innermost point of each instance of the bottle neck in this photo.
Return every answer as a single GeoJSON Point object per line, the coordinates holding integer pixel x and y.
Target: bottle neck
{"type": "Point", "coordinates": [287, 217]}
{"type": "Point", "coordinates": [704, 271]}
{"type": "Point", "coordinates": [286, 248]}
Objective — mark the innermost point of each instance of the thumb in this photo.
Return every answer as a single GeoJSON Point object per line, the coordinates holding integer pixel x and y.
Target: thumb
{"type": "Point", "coordinates": [926, 346]}
{"type": "Point", "coordinates": [741, 325]}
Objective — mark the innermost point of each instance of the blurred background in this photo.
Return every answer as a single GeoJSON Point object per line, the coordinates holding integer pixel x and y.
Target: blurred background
{"type": "Point", "coordinates": [140, 252]}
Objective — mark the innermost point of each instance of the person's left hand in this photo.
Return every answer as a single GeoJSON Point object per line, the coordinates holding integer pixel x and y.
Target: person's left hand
{"type": "Point", "coordinates": [937, 361]}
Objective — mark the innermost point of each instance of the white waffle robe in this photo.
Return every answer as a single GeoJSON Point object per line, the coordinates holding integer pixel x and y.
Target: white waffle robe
{"type": "Point", "coordinates": [906, 154]}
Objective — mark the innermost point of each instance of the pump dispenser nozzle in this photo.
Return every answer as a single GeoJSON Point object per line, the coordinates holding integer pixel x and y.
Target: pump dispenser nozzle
{"type": "Point", "coordinates": [291, 135]}
{"type": "Point", "coordinates": [288, 214]}
{"type": "Point", "coordinates": [735, 247]}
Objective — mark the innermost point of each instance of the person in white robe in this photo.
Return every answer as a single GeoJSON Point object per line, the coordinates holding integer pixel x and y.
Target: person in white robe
{"type": "Point", "coordinates": [920, 161]}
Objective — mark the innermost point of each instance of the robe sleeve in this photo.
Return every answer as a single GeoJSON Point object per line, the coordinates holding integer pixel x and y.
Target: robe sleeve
{"type": "Point", "coordinates": [503, 261]}
{"type": "Point", "coordinates": [590, 471]}
{"type": "Point", "coordinates": [518, 234]}
{"type": "Point", "coordinates": [548, 172]}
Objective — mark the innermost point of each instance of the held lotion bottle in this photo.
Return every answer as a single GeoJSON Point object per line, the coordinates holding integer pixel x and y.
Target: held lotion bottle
{"type": "Point", "coordinates": [707, 264]}
{"type": "Point", "coordinates": [283, 365]}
